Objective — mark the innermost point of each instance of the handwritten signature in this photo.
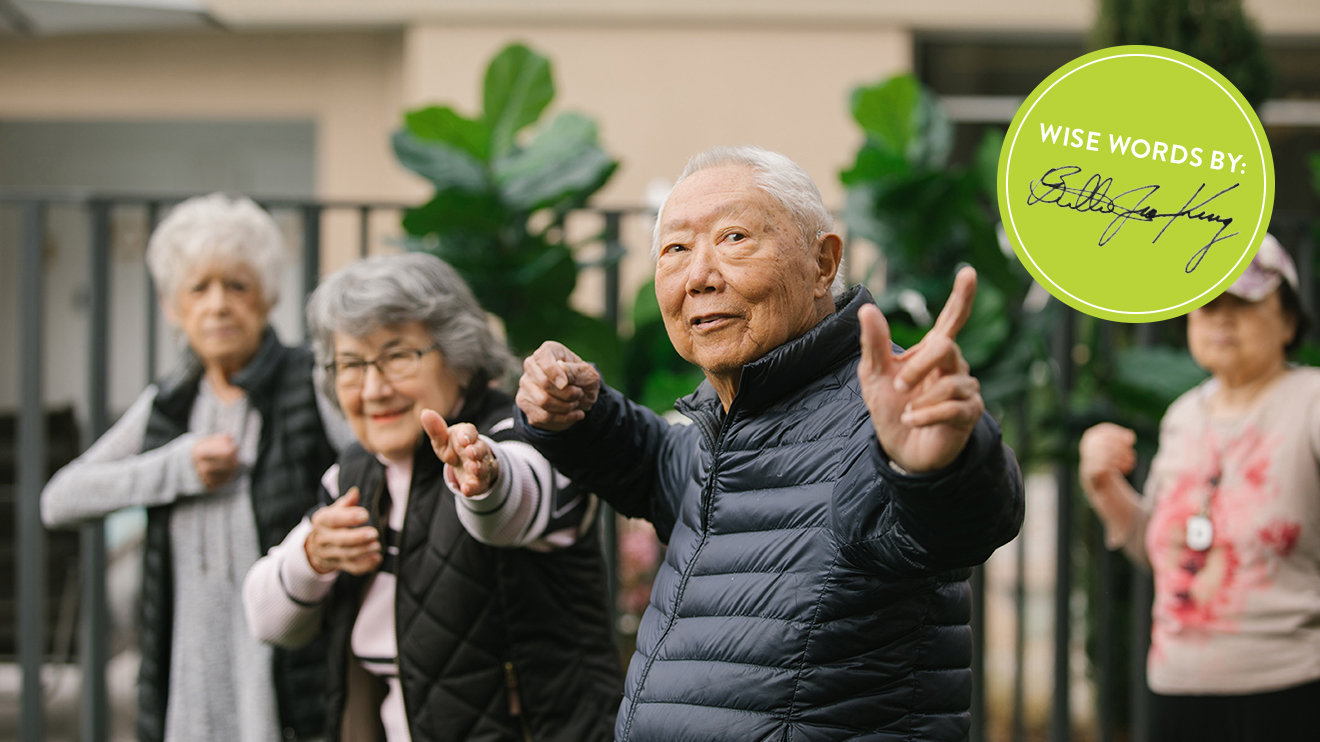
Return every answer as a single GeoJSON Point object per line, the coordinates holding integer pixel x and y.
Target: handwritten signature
{"type": "Point", "coordinates": [1053, 188]}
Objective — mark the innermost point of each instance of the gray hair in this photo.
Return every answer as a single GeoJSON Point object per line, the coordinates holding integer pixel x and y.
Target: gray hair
{"type": "Point", "coordinates": [780, 178]}
{"type": "Point", "coordinates": [216, 227]}
{"type": "Point", "coordinates": [387, 290]}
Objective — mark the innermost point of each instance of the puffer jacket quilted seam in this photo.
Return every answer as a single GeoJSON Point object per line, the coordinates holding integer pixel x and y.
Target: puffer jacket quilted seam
{"type": "Point", "coordinates": [806, 647]}
{"type": "Point", "coordinates": [734, 569]}
{"type": "Point", "coordinates": [706, 495]}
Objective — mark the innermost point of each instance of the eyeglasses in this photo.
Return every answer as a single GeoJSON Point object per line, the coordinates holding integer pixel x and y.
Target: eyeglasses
{"type": "Point", "coordinates": [394, 365]}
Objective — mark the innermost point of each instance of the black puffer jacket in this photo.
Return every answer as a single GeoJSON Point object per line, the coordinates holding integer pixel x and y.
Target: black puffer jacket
{"type": "Point", "coordinates": [809, 592]}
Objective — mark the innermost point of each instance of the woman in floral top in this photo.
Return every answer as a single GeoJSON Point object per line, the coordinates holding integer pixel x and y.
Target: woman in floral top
{"type": "Point", "coordinates": [1230, 524]}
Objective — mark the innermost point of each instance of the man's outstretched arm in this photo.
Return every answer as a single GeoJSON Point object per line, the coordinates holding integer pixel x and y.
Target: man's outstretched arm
{"type": "Point", "coordinates": [594, 435]}
{"type": "Point", "coordinates": [948, 492]}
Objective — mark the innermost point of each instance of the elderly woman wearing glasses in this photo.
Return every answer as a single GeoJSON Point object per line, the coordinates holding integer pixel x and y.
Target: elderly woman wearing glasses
{"type": "Point", "coordinates": [433, 633]}
{"type": "Point", "coordinates": [226, 456]}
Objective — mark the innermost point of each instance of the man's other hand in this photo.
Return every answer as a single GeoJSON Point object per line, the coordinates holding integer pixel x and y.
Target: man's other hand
{"type": "Point", "coordinates": [557, 388]}
{"type": "Point", "coordinates": [923, 403]}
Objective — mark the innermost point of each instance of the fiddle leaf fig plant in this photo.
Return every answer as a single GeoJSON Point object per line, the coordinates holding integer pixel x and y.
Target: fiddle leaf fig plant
{"type": "Point", "coordinates": [927, 218]}
{"type": "Point", "coordinates": [504, 183]}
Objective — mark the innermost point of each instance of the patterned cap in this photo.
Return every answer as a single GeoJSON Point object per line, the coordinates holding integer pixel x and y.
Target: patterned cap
{"type": "Point", "coordinates": [1268, 269]}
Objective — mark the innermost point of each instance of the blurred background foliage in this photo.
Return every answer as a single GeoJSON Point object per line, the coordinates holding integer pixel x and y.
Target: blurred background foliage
{"type": "Point", "coordinates": [1047, 372]}
{"type": "Point", "coordinates": [1216, 32]}
{"type": "Point", "coordinates": [504, 183]}
{"type": "Point", "coordinates": [502, 193]}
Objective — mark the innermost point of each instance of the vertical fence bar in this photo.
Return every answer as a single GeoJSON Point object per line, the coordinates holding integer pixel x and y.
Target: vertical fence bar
{"type": "Point", "coordinates": [311, 257]}
{"type": "Point", "coordinates": [614, 252]}
{"type": "Point", "coordinates": [609, 521]}
{"type": "Point", "coordinates": [364, 231]}
{"type": "Point", "coordinates": [1022, 422]}
{"type": "Point", "coordinates": [1306, 271]}
{"type": "Point", "coordinates": [978, 654]}
{"type": "Point", "coordinates": [153, 306]}
{"type": "Point", "coordinates": [1143, 594]}
{"type": "Point", "coordinates": [1105, 575]}
{"type": "Point", "coordinates": [31, 475]}
{"type": "Point", "coordinates": [1105, 628]}
{"type": "Point", "coordinates": [1060, 712]}
{"type": "Point", "coordinates": [95, 619]}
{"type": "Point", "coordinates": [1020, 643]}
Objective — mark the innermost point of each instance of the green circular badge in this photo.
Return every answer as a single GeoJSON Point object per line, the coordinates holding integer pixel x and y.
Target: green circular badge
{"type": "Point", "coordinates": [1135, 184]}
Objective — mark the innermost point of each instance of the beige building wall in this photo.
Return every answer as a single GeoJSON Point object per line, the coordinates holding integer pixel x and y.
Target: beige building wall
{"type": "Point", "coordinates": [660, 93]}
{"type": "Point", "coordinates": [1280, 17]}
{"type": "Point", "coordinates": [347, 83]}
{"type": "Point", "coordinates": [663, 94]}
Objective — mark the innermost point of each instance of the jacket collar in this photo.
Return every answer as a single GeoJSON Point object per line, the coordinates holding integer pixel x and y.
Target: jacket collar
{"type": "Point", "coordinates": [257, 379]}
{"type": "Point", "coordinates": [832, 341]}
{"type": "Point", "coordinates": [260, 377]}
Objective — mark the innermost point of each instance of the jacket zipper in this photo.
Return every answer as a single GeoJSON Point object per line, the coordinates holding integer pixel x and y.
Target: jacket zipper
{"type": "Point", "coordinates": [707, 496]}
{"type": "Point", "coordinates": [713, 440]}
{"type": "Point", "coordinates": [515, 703]}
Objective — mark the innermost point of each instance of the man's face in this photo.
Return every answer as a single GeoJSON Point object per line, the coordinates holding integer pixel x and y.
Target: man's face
{"type": "Point", "coordinates": [733, 278]}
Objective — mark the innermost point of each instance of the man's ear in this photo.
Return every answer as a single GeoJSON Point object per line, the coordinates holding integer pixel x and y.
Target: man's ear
{"type": "Point", "coordinates": [829, 256]}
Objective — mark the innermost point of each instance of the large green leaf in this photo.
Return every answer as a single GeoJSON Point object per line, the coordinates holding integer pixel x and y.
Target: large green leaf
{"type": "Point", "coordinates": [1150, 379]}
{"type": "Point", "coordinates": [902, 120]}
{"type": "Point", "coordinates": [518, 87]}
{"type": "Point", "coordinates": [664, 386]}
{"type": "Point", "coordinates": [646, 308]}
{"type": "Point", "coordinates": [933, 133]}
{"type": "Point", "coordinates": [887, 112]}
{"type": "Point", "coordinates": [594, 340]}
{"type": "Point", "coordinates": [443, 124]}
{"type": "Point", "coordinates": [987, 328]}
{"type": "Point", "coordinates": [875, 163]}
{"type": "Point", "coordinates": [1314, 159]}
{"type": "Point", "coordinates": [454, 209]}
{"type": "Point", "coordinates": [443, 164]}
{"type": "Point", "coordinates": [985, 164]}
{"type": "Point", "coordinates": [985, 253]}
{"type": "Point", "coordinates": [561, 167]}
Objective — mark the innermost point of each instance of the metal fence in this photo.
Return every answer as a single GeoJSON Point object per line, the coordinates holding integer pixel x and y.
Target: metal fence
{"type": "Point", "coordinates": [31, 439]}
{"type": "Point", "coordinates": [31, 475]}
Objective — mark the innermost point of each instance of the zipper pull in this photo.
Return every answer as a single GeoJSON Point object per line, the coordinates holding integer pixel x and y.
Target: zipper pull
{"type": "Point", "coordinates": [511, 685]}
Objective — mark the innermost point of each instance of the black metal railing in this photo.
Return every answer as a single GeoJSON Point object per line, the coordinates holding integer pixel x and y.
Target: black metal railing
{"type": "Point", "coordinates": [31, 440]}
{"type": "Point", "coordinates": [32, 470]}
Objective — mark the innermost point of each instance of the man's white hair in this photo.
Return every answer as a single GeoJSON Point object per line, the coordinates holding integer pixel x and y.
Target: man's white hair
{"type": "Point", "coordinates": [216, 227]}
{"type": "Point", "coordinates": [780, 178]}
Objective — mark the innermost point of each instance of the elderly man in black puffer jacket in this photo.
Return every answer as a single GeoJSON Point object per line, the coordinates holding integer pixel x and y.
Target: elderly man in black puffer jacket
{"type": "Point", "coordinates": [825, 507]}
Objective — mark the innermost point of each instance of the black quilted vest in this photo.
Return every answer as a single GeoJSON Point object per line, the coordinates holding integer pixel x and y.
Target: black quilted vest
{"type": "Point", "coordinates": [292, 455]}
{"type": "Point", "coordinates": [483, 632]}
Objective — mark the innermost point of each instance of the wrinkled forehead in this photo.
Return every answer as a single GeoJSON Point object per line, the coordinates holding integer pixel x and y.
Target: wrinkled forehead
{"type": "Point", "coordinates": [218, 264]}
{"type": "Point", "coordinates": [715, 194]}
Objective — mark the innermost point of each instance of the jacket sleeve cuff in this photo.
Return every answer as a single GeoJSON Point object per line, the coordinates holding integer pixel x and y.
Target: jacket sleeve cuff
{"type": "Point", "coordinates": [302, 584]}
{"type": "Point", "coordinates": [188, 481]}
{"type": "Point", "coordinates": [943, 481]}
{"type": "Point", "coordinates": [490, 500]}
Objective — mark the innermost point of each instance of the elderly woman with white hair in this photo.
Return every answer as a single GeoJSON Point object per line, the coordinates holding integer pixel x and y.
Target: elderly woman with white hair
{"type": "Point", "coordinates": [458, 578]}
{"type": "Point", "coordinates": [225, 454]}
